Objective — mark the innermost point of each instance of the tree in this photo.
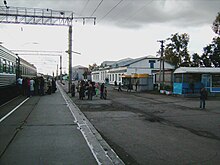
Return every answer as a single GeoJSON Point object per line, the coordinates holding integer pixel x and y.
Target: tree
{"type": "Point", "coordinates": [196, 60]}
{"type": "Point", "coordinates": [92, 67]}
{"type": "Point", "coordinates": [215, 55]}
{"type": "Point", "coordinates": [211, 55]}
{"type": "Point", "coordinates": [176, 52]}
{"type": "Point", "coordinates": [206, 61]}
{"type": "Point", "coordinates": [216, 24]}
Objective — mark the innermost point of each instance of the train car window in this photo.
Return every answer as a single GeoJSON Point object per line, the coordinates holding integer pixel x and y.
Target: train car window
{"type": "Point", "coordinates": [7, 66]}
{"type": "Point", "coordinates": [1, 66]}
{"type": "Point", "coordinates": [4, 65]}
{"type": "Point", "coordinates": [11, 68]}
{"type": "Point", "coordinates": [14, 68]}
{"type": "Point", "coordinates": [22, 70]}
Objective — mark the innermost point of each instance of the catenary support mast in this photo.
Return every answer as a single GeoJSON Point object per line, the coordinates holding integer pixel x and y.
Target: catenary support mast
{"type": "Point", "coordinates": [37, 16]}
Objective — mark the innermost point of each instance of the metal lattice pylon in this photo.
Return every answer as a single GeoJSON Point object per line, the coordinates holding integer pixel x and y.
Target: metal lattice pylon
{"type": "Point", "coordinates": [36, 16]}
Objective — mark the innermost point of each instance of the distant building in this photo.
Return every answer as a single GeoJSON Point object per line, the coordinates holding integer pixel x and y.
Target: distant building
{"type": "Point", "coordinates": [130, 72]}
{"type": "Point", "coordinates": [78, 73]}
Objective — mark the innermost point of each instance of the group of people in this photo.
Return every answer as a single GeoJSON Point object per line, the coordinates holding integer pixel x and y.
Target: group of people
{"type": "Point", "coordinates": [36, 86]}
{"type": "Point", "coordinates": [89, 89]}
{"type": "Point", "coordinates": [129, 86]}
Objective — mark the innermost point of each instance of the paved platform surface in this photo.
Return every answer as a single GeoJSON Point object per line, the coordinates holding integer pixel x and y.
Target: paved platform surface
{"type": "Point", "coordinates": [49, 130]}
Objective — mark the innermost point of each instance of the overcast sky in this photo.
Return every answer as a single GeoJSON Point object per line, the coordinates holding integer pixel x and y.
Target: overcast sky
{"type": "Point", "coordinates": [124, 28]}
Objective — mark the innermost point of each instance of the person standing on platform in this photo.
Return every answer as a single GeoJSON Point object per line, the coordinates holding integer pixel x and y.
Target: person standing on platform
{"type": "Point", "coordinates": [41, 86]}
{"type": "Point", "coordinates": [28, 87]}
{"type": "Point", "coordinates": [102, 91]}
{"type": "Point", "coordinates": [19, 82]}
{"type": "Point", "coordinates": [203, 97]}
{"type": "Point", "coordinates": [105, 93]}
{"type": "Point", "coordinates": [49, 84]}
{"type": "Point", "coordinates": [90, 91]}
{"type": "Point", "coordinates": [54, 88]}
{"type": "Point", "coordinates": [73, 90]}
{"type": "Point", "coordinates": [32, 87]}
{"type": "Point", "coordinates": [136, 85]}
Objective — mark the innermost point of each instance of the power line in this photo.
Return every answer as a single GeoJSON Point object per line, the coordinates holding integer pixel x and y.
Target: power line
{"type": "Point", "coordinates": [139, 10]}
{"type": "Point", "coordinates": [111, 10]}
{"type": "Point", "coordinates": [97, 7]}
{"type": "Point", "coordinates": [84, 7]}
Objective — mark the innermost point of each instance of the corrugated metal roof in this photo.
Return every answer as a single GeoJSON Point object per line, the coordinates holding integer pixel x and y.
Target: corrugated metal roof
{"type": "Point", "coordinates": [128, 61]}
{"type": "Point", "coordinates": [197, 70]}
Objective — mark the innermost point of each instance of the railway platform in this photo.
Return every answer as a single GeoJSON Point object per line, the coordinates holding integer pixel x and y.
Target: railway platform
{"type": "Point", "coordinates": [50, 129]}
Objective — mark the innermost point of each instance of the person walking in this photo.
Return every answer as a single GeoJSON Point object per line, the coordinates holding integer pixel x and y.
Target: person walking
{"type": "Point", "coordinates": [119, 87]}
{"type": "Point", "coordinates": [203, 97]}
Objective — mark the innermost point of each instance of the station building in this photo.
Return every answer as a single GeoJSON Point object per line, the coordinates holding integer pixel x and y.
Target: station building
{"type": "Point", "coordinates": [130, 72]}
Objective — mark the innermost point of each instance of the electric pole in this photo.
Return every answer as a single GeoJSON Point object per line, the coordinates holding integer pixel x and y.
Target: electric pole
{"type": "Point", "coordinates": [70, 58]}
{"type": "Point", "coordinates": [162, 62]}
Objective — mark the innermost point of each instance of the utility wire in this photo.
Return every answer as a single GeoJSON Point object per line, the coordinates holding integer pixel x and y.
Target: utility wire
{"type": "Point", "coordinates": [97, 7]}
{"type": "Point", "coordinates": [84, 7]}
{"type": "Point", "coordinates": [110, 10]}
{"type": "Point", "coordinates": [139, 10]}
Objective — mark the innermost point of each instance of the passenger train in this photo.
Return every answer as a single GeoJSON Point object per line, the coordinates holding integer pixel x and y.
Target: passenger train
{"type": "Point", "coordinates": [12, 67]}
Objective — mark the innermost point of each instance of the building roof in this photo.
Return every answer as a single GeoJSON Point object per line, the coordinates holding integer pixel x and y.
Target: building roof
{"type": "Point", "coordinates": [79, 67]}
{"type": "Point", "coordinates": [197, 70]}
{"type": "Point", "coordinates": [129, 61]}
{"type": "Point", "coordinates": [107, 63]}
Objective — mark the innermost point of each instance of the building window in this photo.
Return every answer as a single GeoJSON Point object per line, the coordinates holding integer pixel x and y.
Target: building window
{"type": "Point", "coordinates": [152, 62]}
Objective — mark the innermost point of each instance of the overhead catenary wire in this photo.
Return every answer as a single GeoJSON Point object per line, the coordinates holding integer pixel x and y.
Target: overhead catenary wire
{"type": "Point", "coordinates": [84, 7]}
{"type": "Point", "coordinates": [97, 7]}
{"type": "Point", "coordinates": [139, 10]}
{"type": "Point", "coordinates": [110, 10]}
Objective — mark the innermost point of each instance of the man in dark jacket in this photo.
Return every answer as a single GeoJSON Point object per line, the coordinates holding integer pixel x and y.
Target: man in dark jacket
{"type": "Point", "coordinates": [203, 97]}
{"type": "Point", "coordinates": [102, 91]}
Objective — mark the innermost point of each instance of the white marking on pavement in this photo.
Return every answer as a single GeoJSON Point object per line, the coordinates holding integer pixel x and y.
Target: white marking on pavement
{"type": "Point", "coordinates": [102, 157]}
{"type": "Point", "coordinates": [13, 110]}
